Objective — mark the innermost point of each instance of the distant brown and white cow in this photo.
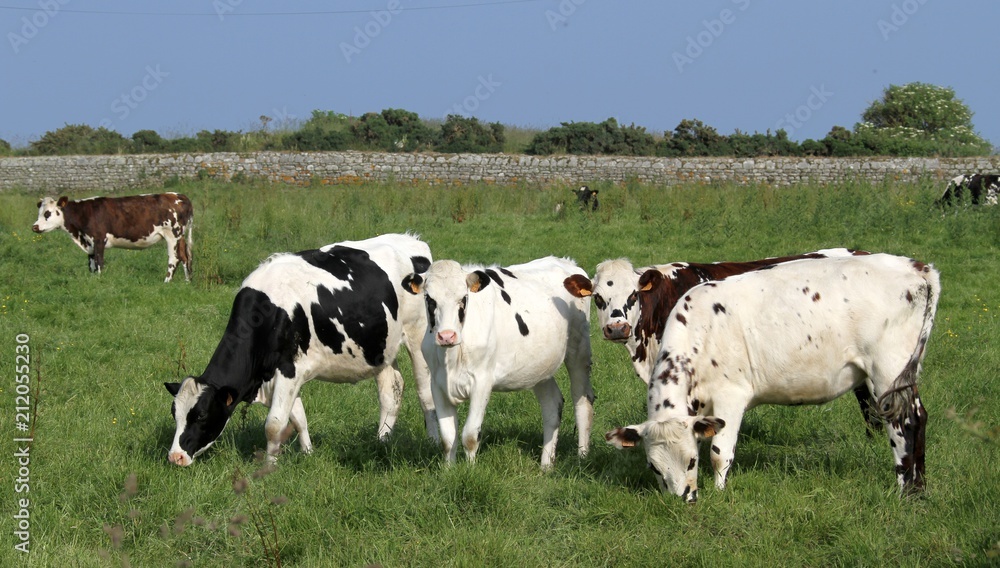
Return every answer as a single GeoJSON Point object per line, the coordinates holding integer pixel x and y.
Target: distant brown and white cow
{"type": "Point", "coordinates": [133, 222]}
{"type": "Point", "coordinates": [801, 332]}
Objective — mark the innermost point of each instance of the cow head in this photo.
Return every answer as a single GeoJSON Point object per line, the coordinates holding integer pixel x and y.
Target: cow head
{"type": "Point", "coordinates": [446, 287]}
{"type": "Point", "coordinates": [671, 449]}
{"type": "Point", "coordinates": [614, 289]}
{"type": "Point", "coordinates": [50, 214]}
{"type": "Point", "coordinates": [201, 412]}
{"type": "Point", "coordinates": [586, 197]}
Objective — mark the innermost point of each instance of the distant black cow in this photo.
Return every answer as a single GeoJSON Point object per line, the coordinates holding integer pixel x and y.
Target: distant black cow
{"type": "Point", "coordinates": [586, 196]}
{"type": "Point", "coordinates": [983, 189]}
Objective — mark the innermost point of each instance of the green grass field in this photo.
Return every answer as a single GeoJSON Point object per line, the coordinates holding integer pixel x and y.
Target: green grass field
{"type": "Point", "coordinates": [809, 488]}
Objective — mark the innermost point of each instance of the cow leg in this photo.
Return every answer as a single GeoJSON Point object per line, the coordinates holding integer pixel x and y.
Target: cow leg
{"type": "Point", "coordinates": [723, 449]}
{"type": "Point", "coordinates": [907, 438]}
{"type": "Point", "coordinates": [551, 400]}
{"type": "Point", "coordinates": [447, 416]}
{"type": "Point", "coordinates": [276, 426]}
{"type": "Point", "coordinates": [389, 383]}
{"type": "Point", "coordinates": [298, 418]}
{"type": "Point", "coordinates": [578, 363]}
{"type": "Point", "coordinates": [183, 254]}
{"type": "Point", "coordinates": [413, 335]}
{"type": "Point", "coordinates": [97, 258]}
{"type": "Point", "coordinates": [173, 246]}
{"type": "Point", "coordinates": [474, 421]}
{"type": "Point", "coordinates": [868, 411]}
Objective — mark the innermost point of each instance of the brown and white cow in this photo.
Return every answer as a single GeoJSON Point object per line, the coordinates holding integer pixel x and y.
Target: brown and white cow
{"type": "Point", "coordinates": [133, 222]}
{"type": "Point", "coordinates": [801, 332]}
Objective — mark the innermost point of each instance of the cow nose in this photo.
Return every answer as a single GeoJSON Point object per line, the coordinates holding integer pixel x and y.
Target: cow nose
{"type": "Point", "coordinates": [179, 458]}
{"type": "Point", "coordinates": [618, 330]}
{"type": "Point", "coordinates": [35, 228]}
{"type": "Point", "coordinates": [447, 338]}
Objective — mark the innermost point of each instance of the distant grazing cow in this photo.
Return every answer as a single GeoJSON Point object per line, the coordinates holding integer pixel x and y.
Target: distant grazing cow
{"type": "Point", "coordinates": [336, 314]}
{"type": "Point", "coordinates": [505, 329]}
{"type": "Point", "coordinates": [134, 222]}
{"type": "Point", "coordinates": [586, 197]}
{"type": "Point", "coordinates": [799, 333]}
{"type": "Point", "coordinates": [982, 189]}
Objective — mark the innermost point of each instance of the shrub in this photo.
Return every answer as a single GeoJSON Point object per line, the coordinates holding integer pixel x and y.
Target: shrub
{"type": "Point", "coordinates": [693, 138]}
{"type": "Point", "coordinates": [4, 147]}
{"type": "Point", "coordinates": [392, 130]}
{"type": "Point", "coordinates": [607, 137]}
{"type": "Point", "coordinates": [315, 139]}
{"type": "Point", "coordinates": [461, 134]}
{"type": "Point", "coordinates": [148, 141]}
{"type": "Point", "coordinates": [80, 139]}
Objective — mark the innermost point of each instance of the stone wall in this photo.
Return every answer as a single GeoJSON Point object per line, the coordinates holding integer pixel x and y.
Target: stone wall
{"type": "Point", "coordinates": [109, 173]}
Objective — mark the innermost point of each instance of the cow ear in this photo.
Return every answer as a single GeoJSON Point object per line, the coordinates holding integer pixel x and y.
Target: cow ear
{"type": "Point", "coordinates": [649, 280]}
{"type": "Point", "coordinates": [232, 397]}
{"type": "Point", "coordinates": [477, 280]}
{"type": "Point", "coordinates": [578, 285]}
{"type": "Point", "coordinates": [624, 438]}
{"type": "Point", "coordinates": [708, 426]}
{"type": "Point", "coordinates": [172, 388]}
{"type": "Point", "coordinates": [62, 201]}
{"type": "Point", "coordinates": [413, 283]}
{"type": "Point", "coordinates": [39, 206]}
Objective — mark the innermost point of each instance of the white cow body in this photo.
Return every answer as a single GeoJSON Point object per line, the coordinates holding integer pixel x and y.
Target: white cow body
{"type": "Point", "coordinates": [803, 332]}
{"type": "Point", "coordinates": [505, 329]}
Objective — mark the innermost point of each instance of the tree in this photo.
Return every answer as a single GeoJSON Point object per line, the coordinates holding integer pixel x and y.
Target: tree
{"type": "Point", "coordinates": [919, 119]}
{"type": "Point", "coordinates": [80, 139]}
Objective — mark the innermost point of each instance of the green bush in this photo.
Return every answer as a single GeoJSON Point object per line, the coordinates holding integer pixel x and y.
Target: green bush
{"type": "Point", "coordinates": [4, 147]}
{"type": "Point", "coordinates": [461, 134]}
{"type": "Point", "coordinates": [392, 130]}
{"type": "Point", "coordinates": [80, 139]}
{"type": "Point", "coordinates": [148, 141]}
{"type": "Point", "coordinates": [693, 138]}
{"type": "Point", "coordinates": [315, 139]}
{"type": "Point", "coordinates": [607, 137]}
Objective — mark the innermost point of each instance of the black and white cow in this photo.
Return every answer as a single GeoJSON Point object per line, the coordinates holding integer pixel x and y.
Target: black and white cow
{"type": "Point", "coordinates": [802, 332]}
{"type": "Point", "coordinates": [505, 329]}
{"type": "Point", "coordinates": [586, 197]}
{"type": "Point", "coordinates": [979, 189]}
{"type": "Point", "coordinates": [133, 222]}
{"type": "Point", "coordinates": [336, 314]}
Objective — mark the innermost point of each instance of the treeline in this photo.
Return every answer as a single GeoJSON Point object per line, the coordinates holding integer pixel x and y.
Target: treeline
{"type": "Point", "coordinates": [911, 120]}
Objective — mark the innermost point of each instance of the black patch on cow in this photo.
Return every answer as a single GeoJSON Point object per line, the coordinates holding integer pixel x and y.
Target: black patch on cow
{"type": "Point", "coordinates": [718, 308]}
{"type": "Point", "coordinates": [431, 308]}
{"type": "Point", "coordinates": [692, 463]}
{"type": "Point", "coordinates": [653, 467]}
{"type": "Point", "coordinates": [715, 363]}
{"type": "Point", "coordinates": [909, 297]}
{"type": "Point", "coordinates": [505, 296]}
{"type": "Point", "coordinates": [359, 308]}
{"type": "Point", "coordinates": [617, 314]}
{"type": "Point", "coordinates": [682, 319]}
{"type": "Point", "coordinates": [507, 272]}
{"type": "Point", "coordinates": [630, 301]}
{"type": "Point", "coordinates": [493, 274]}
{"type": "Point", "coordinates": [420, 264]}
{"type": "Point", "coordinates": [461, 308]}
{"type": "Point", "coordinates": [599, 302]}
{"type": "Point", "coordinates": [521, 326]}
{"type": "Point", "coordinates": [716, 450]}
{"type": "Point", "coordinates": [667, 403]}
{"type": "Point", "coordinates": [815, 297]}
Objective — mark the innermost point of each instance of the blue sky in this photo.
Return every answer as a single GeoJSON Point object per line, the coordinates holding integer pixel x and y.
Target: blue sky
{"type": "Point", "coordinates": [183, 65]}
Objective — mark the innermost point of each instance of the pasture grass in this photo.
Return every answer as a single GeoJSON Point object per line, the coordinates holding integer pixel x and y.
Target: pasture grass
{"type": "Point", "coordinates": [809, 486]}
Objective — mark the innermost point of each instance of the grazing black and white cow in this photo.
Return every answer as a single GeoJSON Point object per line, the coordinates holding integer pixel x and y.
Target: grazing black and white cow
{"type": "Point", "coordinates": [505, 329]}
{"type": "Point", "coordinates": [133, 222]}
{"type": "Point", "coordinates": [801, 332]}
{"type": "Point", "coordinates": [336, 314]}
{"type": "Point", "coordinates": [586, 197]}
{"type": "Point", "coordinates": [981, 189]}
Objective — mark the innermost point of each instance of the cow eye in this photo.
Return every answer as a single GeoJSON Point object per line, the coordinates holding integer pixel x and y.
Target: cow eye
{"type": "Point", "coordinates": [653, 467]}
{"type": "Point", "coordinates": [599, 302]}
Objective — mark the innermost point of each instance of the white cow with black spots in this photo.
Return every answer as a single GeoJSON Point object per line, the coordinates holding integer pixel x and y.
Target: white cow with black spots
{"type": "Point", "coordinates": [803, 332]}
{"type": "Point", "coordinates": [505, 329]}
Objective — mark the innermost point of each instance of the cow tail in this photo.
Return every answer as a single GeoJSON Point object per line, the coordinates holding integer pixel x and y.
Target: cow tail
{"type": "Point", "coordinates": [894, 404]}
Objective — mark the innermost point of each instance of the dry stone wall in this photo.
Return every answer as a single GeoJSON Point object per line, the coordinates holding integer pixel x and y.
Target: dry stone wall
{"type": "Point", "coordinates": [111, 173]}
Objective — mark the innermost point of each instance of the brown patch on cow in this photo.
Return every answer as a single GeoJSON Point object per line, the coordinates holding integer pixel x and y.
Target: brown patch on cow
{"type": "Point", "coordinates": [659, 295]}
{"type": "Point", "coordinates": [855, 252]}
{"type": "Point", "coordinates": [579, 286]}
{"type": "Point", "coordinates": [909, 297]}
{"type": "Point", "coordinates": [715, 363]}
{"type": "Point", "coordinates": [919, 266]}
{"type": "Point", "coordinates": [682, 319]}
{"type": "Point", "coordinates": [805, 290]}
{"type": "Point", "coordinates": [131, 217]}
{"type": "Point", "coordinates": [718, 308]}
{"type": "Point", "coordinates": [815, 297]}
